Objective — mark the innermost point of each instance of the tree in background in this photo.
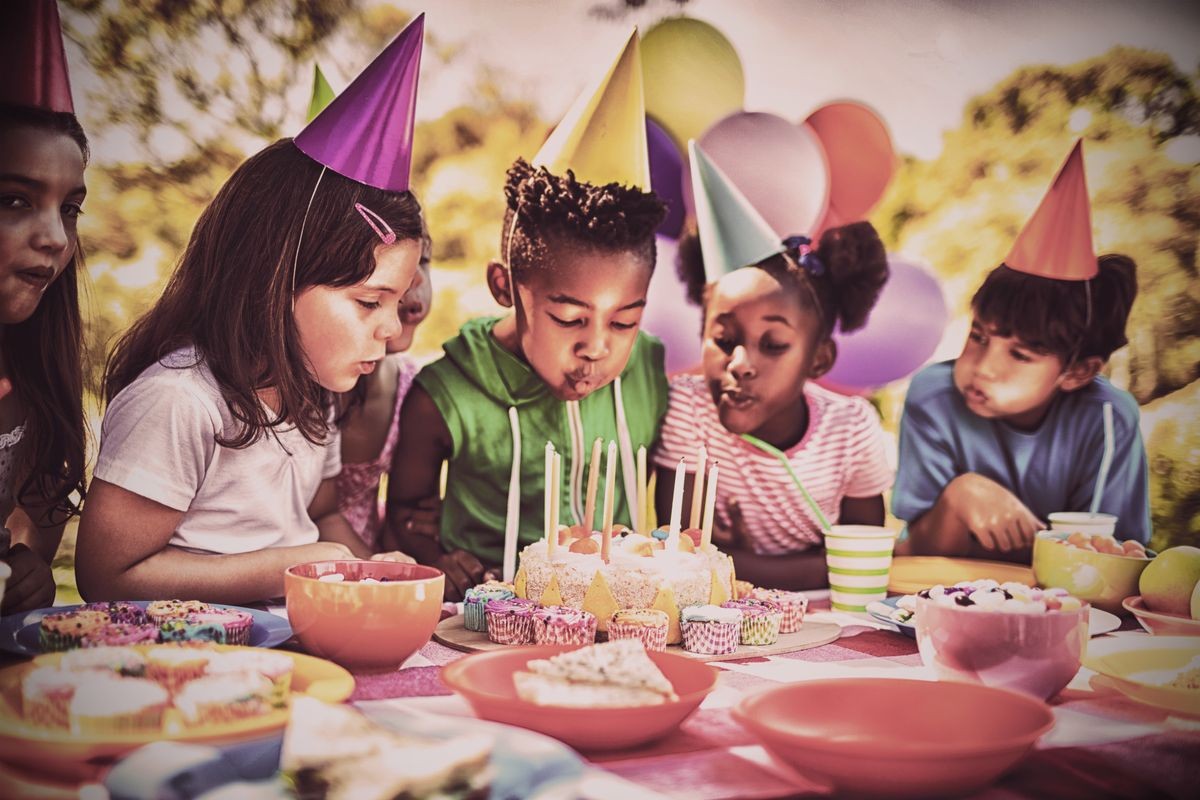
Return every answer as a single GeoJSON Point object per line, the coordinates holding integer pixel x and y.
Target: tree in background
{"type": "Point", "coordinates": [1141, 118]}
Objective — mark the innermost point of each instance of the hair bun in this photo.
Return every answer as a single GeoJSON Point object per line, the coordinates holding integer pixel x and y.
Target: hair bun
{"type": "Point", "coordinates": [856, 262]}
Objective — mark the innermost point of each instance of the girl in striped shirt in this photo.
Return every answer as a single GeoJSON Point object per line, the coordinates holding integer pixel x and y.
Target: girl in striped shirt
{"type": "Point", "coordinates": [767, 333]}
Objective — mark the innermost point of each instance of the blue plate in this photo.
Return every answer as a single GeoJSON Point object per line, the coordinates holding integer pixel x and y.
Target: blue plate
{"type": "Point", "coordinates": [19, 632]}
{"type": "Point", "coordinates": [907, 628]}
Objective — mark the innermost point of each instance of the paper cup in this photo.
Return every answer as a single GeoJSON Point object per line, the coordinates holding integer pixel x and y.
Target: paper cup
{"type": "Point", "coordinates": [1083, 522]}
{"type": "Point", "coordinates": [859, 559]}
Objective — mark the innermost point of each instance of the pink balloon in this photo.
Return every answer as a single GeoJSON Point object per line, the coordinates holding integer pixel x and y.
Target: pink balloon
{"type": "Point", "coordinates": [669, 315]}
{"type": "Point", "coordinates": [779, 167]}
{"type": "Point", "coordinates": [901, 334]}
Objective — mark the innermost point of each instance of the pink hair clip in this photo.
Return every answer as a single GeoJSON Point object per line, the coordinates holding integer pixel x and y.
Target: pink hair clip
{"type": "Point", "coordinates": [385, 233]}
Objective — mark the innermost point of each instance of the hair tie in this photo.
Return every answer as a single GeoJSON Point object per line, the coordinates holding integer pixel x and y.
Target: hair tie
{"type": "Point", "coordinates": [807, 257]}
{"type": "Point", "coordinates": [385, 233]}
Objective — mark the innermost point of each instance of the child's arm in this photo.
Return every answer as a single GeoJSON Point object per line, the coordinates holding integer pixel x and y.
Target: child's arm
{"type": "Point", "coordinates": [31, 584]}
{"type": "Point", "coordinates": [122, 553]}
{"type": "Point", "coordinates": [977, 517]}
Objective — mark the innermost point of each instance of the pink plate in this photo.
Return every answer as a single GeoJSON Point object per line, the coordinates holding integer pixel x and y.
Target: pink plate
{"type": "Point", "coordinates": [1157, 622]}
{"type": "Point", "coordinates": [485, 680]}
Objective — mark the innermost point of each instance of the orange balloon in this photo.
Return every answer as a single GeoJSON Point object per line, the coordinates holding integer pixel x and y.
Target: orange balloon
{"type": "Point", "coordinates": [861, 157]}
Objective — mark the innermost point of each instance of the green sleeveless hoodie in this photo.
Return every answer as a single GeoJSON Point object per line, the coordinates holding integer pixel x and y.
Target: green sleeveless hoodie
{"type": "Point", "coordinates": [475, 384]}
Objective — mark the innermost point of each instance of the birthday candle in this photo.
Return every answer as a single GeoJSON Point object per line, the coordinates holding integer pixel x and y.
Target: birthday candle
{"type": "Point", "coordinates": [551, 534]}
{"type": "Point", "coordinates": [698, 486]}
{"type": "Point", "coordinates": [610, 479]}
{"type": "Point", "coordinates": [639, 513]}
{"type": "Point", "coordinates": [710, 507]}
{"type": "Point", "coordinates": [676, 503]}
{"type": "Point", "coordinates": [556, 497]}
{"type": "Point", "coordinates": [589, 513]}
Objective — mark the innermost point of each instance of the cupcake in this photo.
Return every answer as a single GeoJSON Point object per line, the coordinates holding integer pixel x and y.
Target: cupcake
{"type": "Point", "coordinates": [162, 610]}
{"type": "Point", "coordinates": [118, 660]}
{"type": "Point", "coordinates": [477, 598]}
{"type": "Point", "coordinates": [743, 589]}
{"type": "Point", "coordinates": [224, 698]}
{"type": "Point", "coordinates": [647, 625]}
{"type": "Point", "coordinates": [186, 630]}
{"type": "Point", "coordinates": [760, 620]}
{"type": "Point", "coordinates": [792, 604]}
{"type": "Point", "coordinates": [510, 621]}
{"type": "Point", "coordinates": [563, 625]}
{"type": "Point", "coordinates": [174, 666]}
{"type": "Point", "coordinates": [235, 622]}
{"type": "Point", "coordinates": [275, 667]}
{"type": "Point", "coordinates": [122, 612]}
{"type": "Point", "coordinates": [65, 630]}
{"type": "Point", "coordinates": [46, 694]}
{"type": "Point", "coordinates": [120, 635]}
{"type": "Point", "coordinates": [104, 705]}
{"type": "Point", "coordinates": [711, 630]}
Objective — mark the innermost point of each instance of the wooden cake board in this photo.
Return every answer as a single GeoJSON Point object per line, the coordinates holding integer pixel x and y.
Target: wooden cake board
{"type": "Point", "coordinates": [453, 633]}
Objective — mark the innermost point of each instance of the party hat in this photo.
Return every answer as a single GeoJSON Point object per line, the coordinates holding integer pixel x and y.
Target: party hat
{"type": "Point", "coordinates": [732, 233]}
{"type": "Point", "coordinates": [1056, 242]}
{"type": "Point", "coordinates": [32, 59]}
{"type": "Point", "coordinates": [366, 132]}
{"type": "Point", "coordinates": [603, 137]}
{"type": "Point", "coordinates": [322, 94]}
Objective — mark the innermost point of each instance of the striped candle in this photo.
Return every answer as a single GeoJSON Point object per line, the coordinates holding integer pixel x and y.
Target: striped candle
{"type": "Point", "coordinates": [859, 558]}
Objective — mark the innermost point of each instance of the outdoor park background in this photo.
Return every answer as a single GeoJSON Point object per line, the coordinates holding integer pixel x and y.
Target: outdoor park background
{"type": "Point", "coordinates": [983, 101]}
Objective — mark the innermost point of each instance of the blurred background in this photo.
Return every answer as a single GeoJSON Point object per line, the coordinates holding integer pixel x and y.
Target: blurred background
{"type": "Point", "coordinates": [965, 111]}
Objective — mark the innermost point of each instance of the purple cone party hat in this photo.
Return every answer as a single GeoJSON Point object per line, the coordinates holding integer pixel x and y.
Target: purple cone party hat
{"type": "Point", "coordinates": [32, 59]}
{"type": "Point", "coordinates": [366, 132]}
{"type": "Point", "coordinates": [602, 138]}
{"type": "Point", "coordinates": [732, 232]}
{"type": "Point", "coordinates": [1056, 242]}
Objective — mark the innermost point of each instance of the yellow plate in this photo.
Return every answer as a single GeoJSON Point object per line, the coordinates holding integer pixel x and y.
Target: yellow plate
{"type": "Point", "coordinates": [1138, 666]}
{"type": "Point", "coordinates": [911, 574]}
{"type": "Point", "coordinates": [28, 742]}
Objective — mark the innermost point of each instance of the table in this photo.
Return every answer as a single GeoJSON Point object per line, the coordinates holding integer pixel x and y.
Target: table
{"type": "Point", "coordinates": [1103, 745]}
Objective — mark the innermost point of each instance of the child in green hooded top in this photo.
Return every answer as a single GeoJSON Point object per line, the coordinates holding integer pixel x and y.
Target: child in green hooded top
{"type": "Point", "coordinates": [567, 366]}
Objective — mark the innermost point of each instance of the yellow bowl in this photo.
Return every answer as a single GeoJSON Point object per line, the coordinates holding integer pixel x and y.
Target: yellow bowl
{"type": "Point", "coordinates": [1139, 667]}
{"type": "Point", "coordinates": [1102, 579]}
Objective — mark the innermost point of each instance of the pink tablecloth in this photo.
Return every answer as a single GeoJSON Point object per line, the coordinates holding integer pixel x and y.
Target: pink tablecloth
{"type": "Point", "coordinates": [1103, 745]}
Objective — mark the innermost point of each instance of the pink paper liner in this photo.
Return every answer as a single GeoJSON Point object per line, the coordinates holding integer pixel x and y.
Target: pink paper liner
{"type": "Point", "coordinates": [508, 628]}
{"type": "Point", "coordinates": [653, 637]}
{"type": "Point", "coordinates": [560, 631]}
{"type": "Point", "coordinates": [711, 638]}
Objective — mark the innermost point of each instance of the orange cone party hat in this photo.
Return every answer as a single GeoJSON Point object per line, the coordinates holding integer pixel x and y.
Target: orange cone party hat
{"type": "Point", "coordinates": [1057, 240]}
{"type": "Point", "coordinates": [32, 59]}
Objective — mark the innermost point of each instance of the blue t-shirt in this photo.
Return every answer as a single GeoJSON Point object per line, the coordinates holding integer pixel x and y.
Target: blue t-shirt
{"type": "Point", "coordinates": [1053, 468]}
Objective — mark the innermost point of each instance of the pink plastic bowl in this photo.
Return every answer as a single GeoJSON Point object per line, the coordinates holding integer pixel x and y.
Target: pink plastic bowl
{"type": "Point", "coordinates": [1035, 653]}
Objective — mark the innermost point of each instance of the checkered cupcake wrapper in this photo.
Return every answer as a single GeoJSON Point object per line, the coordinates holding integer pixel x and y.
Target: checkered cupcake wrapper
{"type": "Point", "coordinates": [510, 628]}
{"type": "Point", "coordinates": [761, 628]}
{"type": "Point", "coordinates": [559, 633]}
{"type": "Point", "coordinates": [711, 638]}
{"type": "Point", "coordinates": [793, 617]}
{"type": "Point", "coordinates": [474, 617]}
{"type": "Point", "coordinates": [653, 637]}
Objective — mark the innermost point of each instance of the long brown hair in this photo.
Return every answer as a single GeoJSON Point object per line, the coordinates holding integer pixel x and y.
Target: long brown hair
{"type": "Point", "coordinates": [231, 294]}
{"type": "Point", "coordinates": [44, 357]}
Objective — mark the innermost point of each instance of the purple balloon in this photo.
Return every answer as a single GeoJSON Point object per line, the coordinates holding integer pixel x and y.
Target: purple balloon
{"type": "Point", "coordinates": [669, 315]}
{"type": "Point", "coordinates": [666, 177]}
{"type": "Point", "coordinates": [901, 334]}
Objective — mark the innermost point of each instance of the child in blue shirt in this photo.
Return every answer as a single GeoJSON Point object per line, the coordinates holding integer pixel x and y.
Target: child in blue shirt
{"type": "Point", "coordinates": [1013, 429]}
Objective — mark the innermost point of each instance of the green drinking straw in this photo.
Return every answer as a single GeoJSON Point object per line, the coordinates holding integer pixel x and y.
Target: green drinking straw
{"type": "Point", "coordinates": [783, 459]}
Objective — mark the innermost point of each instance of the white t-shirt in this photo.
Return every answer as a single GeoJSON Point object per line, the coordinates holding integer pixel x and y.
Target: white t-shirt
{"type": "Point", "coordinates": [158, 440]}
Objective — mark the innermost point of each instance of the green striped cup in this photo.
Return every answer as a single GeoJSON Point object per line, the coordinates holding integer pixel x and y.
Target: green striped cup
{"type": "Point", "coordinates": [859, 558]}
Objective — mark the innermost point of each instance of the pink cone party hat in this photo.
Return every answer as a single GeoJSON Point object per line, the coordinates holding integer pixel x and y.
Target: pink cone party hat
{"type": "Point", "coordinates": [366, 132]}
{"type": "Point", "coordinates": [1056, 242]}
{"type": "Point", "coordinates": [32, 59]}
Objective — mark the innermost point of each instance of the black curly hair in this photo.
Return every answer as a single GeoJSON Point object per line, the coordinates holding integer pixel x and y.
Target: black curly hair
{"type": "Point", "coordinates": [552, 211]}
{"type": "Point", "coordinates": [842, 290]}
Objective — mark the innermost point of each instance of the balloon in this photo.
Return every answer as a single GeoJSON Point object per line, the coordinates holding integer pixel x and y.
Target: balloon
{"type": "Point", "coordinates": [692, 76]}
{"type": "Point", "coordinates": [778, 166]}
{"type": "Point", "coordinates": [669, 315]}
{"type": "Point", "coordinates": [666, 177]}
{"type": "Point", "coordinates": [860, 153]}
{"type": "Point", "coordinates": [901, 334]}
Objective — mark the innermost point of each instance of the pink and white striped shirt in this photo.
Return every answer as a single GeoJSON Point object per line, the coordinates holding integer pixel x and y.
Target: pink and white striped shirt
{"type": "Point", "coordinates": [841, 455]}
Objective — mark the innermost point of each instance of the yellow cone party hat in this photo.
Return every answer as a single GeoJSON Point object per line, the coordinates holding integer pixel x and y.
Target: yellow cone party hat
{"type": "Point", "coordinates": [603, 137]}
{"type": "Point", "coordinates": [1057, 240]}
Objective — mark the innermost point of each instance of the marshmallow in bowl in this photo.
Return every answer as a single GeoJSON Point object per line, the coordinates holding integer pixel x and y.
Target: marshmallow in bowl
{"type": "Point", "coordinates": [991, 595]}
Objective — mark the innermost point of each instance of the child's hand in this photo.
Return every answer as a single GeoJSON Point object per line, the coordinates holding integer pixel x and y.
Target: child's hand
{"type": "Point", "coordinates": [733, 538]}
{"type": "Point", "coordinates": [422, 519]}
{"type": "Point", "coordinates": [326, 551]}
{"type": "Point", "coordinates": [463, 571]}
{"type": "Point", "coordinates": [31, 584]}
{"type": "Point", "coordinates": [394, 555]}
{"type": "Point", "coordinates": [993, 514]}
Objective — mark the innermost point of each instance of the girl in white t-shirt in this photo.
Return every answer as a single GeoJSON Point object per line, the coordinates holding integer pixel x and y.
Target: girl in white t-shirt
{"type": "Point", "coordinates": [767, 334]}
{"type": "Point", "coordinates": [218, 448]}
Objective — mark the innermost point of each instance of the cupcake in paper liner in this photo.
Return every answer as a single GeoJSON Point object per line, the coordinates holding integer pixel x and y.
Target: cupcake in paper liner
{"type": "Point", "coordinates": [120, 635]}
{"type": "Point", "coordinates": [647, 625]}
{"type": "Point", "coordinates": [162, 610]}
{"type": "Point", "coordinates": [65, 630]}
{"type": "Point", "coordinates": [792, 604]}
{"type": "Point", "coordinates": [121, 612]}
{"type": "Point", "coordinates": [46, 693]}
{"type": "Point", "coordinates": [760, 620]}
{"type": "Point", "coordinates": [711, 630]}
{"type": "Point", "coordinates": [476, 599]}
{"type": "Point", "coordinates": [104, 704]}
{"type": "Point", "coordinates": [510, 621]}
{"type": "Point", "coordinates": [563, 625]}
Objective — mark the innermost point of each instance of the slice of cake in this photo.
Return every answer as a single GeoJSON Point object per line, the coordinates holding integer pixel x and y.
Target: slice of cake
{"type": "Point", "coordinates": [615, 673]}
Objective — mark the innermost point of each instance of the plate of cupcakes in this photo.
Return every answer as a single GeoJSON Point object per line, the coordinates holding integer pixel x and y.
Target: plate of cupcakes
{"type": "Point", "coordinates": [138, 622]}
